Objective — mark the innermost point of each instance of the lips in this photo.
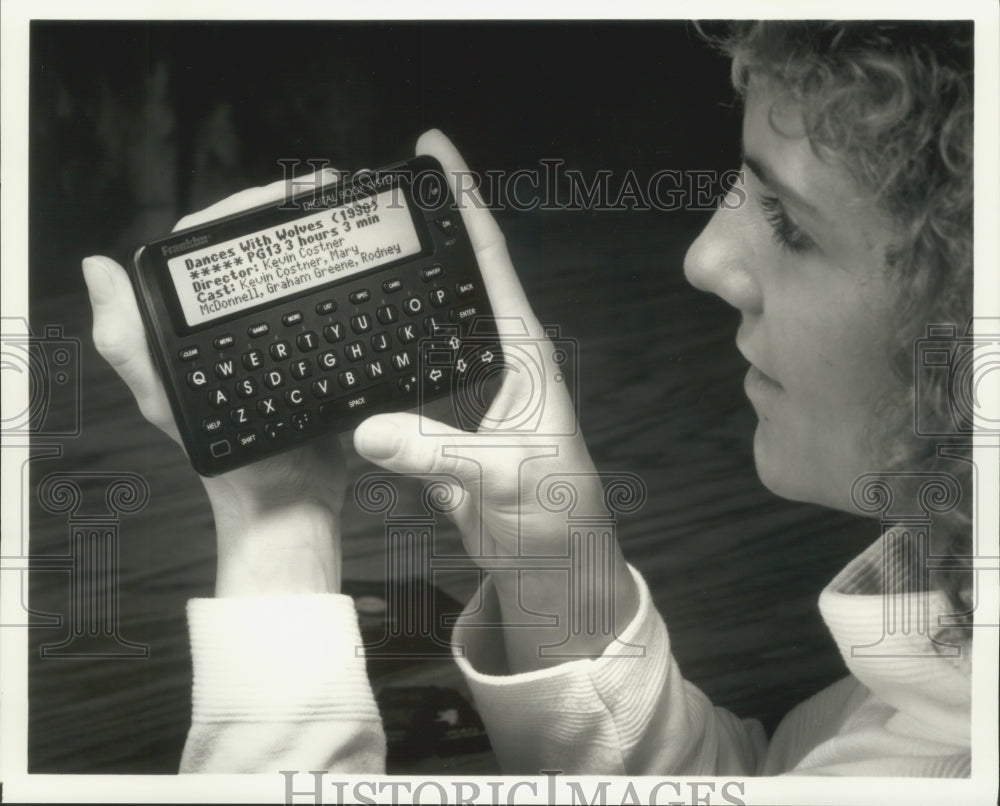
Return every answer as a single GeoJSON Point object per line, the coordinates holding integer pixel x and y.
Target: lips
{"type": "Point", "coordinates": [762, 376]}
{"type": "Point", "coordinates": [757, 381]}
{"type": "Point", "coordinates": [756, 375]}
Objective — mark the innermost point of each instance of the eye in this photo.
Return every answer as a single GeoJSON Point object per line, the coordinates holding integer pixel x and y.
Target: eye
{"type": "Point", "coordinates": [786, 234]}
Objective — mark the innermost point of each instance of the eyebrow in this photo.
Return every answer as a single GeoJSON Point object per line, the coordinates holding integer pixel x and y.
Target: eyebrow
{"type": "Point", "coordinates": [766, 175]}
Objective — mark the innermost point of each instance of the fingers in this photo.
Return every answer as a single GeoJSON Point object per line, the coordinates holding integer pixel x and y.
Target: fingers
{"type": "Point", "coordinates": [255, 197]}
{"type": "Point", "coordinates": [480, 224]}
{"type": "Point", "coordinates": [397, 443]}
{"type": "Point", "coordinates": [121, 340]}
{"type": "Point", "coordinates": [504, 289]}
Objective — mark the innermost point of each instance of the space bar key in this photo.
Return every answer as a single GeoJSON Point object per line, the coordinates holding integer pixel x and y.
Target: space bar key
{"type": "Point", "coordinates": [358, 404]}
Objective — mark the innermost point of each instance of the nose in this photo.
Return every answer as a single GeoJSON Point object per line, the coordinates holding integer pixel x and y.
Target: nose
{"type": "Point", "coordinates": [721, 258]}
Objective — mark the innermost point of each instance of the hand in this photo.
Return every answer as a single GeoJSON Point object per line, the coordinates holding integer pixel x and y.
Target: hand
{"type": "Point", "coordinates": [500, 515]}
{"type": "Point", "coordinates": [277, 520]}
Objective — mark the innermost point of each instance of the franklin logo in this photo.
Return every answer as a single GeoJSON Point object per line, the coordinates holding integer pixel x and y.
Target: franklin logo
{"type": "Point", "coordinates": [183, 246]}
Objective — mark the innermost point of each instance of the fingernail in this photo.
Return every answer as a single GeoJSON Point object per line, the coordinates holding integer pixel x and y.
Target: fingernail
{"type": "Point", "coordinates": [377, 439]}
{"type": "Point", "coordinates": [98, 279]}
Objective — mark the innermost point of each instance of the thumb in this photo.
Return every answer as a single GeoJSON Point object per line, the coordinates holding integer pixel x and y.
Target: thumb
{"type": "Point", "coordinates": [414, 445]}
{"type": "Point", "coordinates": [120, 338]}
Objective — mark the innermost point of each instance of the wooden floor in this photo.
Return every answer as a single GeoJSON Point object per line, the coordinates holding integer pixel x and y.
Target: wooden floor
{"type": "Point", "coordinates": [735, 571]}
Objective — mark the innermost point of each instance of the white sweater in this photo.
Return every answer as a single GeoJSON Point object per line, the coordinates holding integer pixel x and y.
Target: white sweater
{"type": "Point", "coordinates": [279, 684]}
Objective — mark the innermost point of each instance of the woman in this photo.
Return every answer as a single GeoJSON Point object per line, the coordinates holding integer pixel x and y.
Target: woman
{"type": "Point", "coordinates": [853, 231]}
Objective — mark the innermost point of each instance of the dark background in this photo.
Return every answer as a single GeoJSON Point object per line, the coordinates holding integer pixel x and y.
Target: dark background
{"type": "Point", "coordinates": [134, 125]}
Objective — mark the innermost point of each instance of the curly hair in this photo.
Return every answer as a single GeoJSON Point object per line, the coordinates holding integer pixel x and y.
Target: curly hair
{"type": "Point", "coordinates": [892, 104]}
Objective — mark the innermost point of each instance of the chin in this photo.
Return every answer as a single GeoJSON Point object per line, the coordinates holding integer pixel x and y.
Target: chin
{"type": "Point", "coordinates": [789, 475]}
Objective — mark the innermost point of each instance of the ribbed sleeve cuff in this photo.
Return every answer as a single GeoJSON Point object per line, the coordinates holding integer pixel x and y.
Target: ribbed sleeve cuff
{"type": "Point", "coordinates": [597, 698]}
{"type": "Point", "coordinates": [278, 659]}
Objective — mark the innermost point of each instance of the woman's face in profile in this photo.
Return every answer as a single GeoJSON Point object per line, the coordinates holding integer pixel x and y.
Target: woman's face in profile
{"type": "Point", "coordinates": [803, 258]}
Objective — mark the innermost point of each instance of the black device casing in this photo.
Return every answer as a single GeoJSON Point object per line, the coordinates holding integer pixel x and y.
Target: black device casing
{"type": "Point", "coordinates": [445, 268]}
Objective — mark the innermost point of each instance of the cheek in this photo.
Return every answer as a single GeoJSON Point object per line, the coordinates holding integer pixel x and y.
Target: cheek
{"type": "Point", "coordinates": [826, 429]}
{"type": "Point", "coordinates": [839, 337]}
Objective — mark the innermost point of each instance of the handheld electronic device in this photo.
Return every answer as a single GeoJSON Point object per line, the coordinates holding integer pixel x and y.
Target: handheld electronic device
{"type": "Point", "coordinates": [303, 317]}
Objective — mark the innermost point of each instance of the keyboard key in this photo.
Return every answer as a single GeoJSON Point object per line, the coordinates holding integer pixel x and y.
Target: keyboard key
{"type": "Point", "coordinates": [197, 379]}
{"type": "Point", "coordinates": [188, 353]}
{"type": "Point", "coordinates": [387, 314]}
{"type": "Point", "coordinates": [326, 360]}
{"type": "Point", "coordinates": [361, 323]}
{"type": "Point", "coordinates": [218, 397]}
{"type": "Point", "coordinates": [248, 439]}
{"type": "Point", "coordinates": [211, 425]}
{"type": "Point", "coordinates": [220, 448]}
{"type": "Point", "coordinates": [258, 329]}
{"type": "Point", "coordinates": [267, 407]}
{"type": "Point", "coordinates": [275, 430]}
{"type": "Point", "coordinates": [408, 384]}
{"type": "Point", "coordinates": [447, 225]}
{"type": "Point", "coordinates": [434, 325]}
{"type": "Point", "coordinates": [402, 360]}
{"type": "Point", "coordinates": [254, 359]}
{"type": "Point", "coordinates": [280, 350]}
{"type": "Point", "coordinates": [225, 369]}
{"type": "Point", "coordinates": [464, 314]}
{"type": "Point", "coordinates": [359, 402]}
{"type": "Point", "coordinates": [437, 378]}
{"type": "Point", "coordinates": [246, 387]}
{"type": "Point", "coordinates": [307, 341]}
{"type": "Point", "coordinates": [322, 388]}
{"type": "Point", "coordinates": [334, 332]}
